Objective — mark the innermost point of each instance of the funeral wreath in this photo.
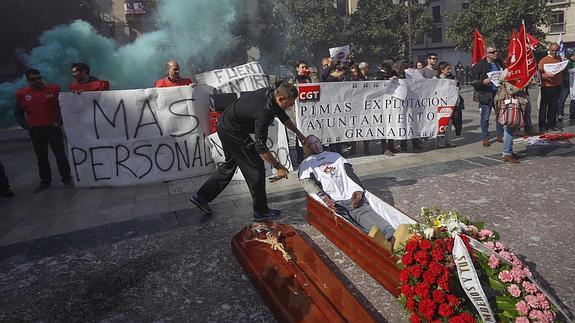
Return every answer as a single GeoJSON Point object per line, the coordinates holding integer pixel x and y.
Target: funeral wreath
{"type": "Point", "coordinates": [455, 270]}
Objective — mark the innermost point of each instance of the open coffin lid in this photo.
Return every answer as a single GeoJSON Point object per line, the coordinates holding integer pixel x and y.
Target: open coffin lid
{"type": "Point", "coordinates": [292, 279]}
{"type": "Point", "coordinates": [370, 255]}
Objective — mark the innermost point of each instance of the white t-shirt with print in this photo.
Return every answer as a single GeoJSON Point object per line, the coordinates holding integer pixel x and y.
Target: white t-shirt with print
{"type": "Point", "coordinates": [329, 169]}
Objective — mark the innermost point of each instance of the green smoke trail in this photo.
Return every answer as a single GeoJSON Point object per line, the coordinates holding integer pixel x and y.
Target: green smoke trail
{"type": "Point", "coordinates": [187, 31]}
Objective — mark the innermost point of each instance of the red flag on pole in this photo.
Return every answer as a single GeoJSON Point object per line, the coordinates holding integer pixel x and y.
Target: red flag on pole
{"type": "Point", "coordinates": [478, 48]}
{"type": "Point", "coordinates": [512, 49]}
{"type": "Point", "coordinates": [532, 40]}
{"type": "Point", "coordinates": [520, 72]}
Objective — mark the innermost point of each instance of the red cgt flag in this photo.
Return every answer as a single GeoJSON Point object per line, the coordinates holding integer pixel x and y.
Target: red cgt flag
{"type": "Point", "coordinates": [478, 48]}
{"type": "Point", "coordinates": [512, 49]}
{"type": "Point", "coordinates": [520, 71]}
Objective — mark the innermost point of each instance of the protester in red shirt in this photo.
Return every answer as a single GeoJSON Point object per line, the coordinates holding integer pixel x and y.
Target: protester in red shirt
{"type": "Point", "coordinates": [84, 81]}
{"type": "Point", "coordinates": [38, 110]}
{"type": "Point", "coordinates": [173, 78]}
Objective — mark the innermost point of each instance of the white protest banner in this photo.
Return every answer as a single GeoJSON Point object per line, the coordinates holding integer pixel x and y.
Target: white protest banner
{"type": "Point", "coordinates": [340, 53]}
{"type": "Point", "coordinates": [247, 77]}
{"type": "Point", "coordinates": [555, 68]}
{"type": "Point", "coordinates": [128, 137]}
{"type": "Point", "coordinates": [413, 73]}
{"type": "Point", "coordinates": [354, 111]}
{"type": "Point", "coordinates": [242, 78]}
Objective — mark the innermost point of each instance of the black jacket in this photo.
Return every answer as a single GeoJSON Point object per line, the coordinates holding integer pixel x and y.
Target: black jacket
{"type": "Point", "coordinates": [482, 93]}
{"type": "Point", "coordinates": [253, 112]}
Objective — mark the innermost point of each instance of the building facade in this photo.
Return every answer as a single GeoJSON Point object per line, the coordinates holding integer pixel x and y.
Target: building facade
{"type": "Point", "coordinates": [563, 22]}
{"type": "Point", "coordinates": [436, 40]}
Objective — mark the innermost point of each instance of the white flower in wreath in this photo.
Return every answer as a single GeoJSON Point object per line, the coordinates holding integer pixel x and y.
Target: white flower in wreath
{"type": "Point", "coordinates": [428, 233]}
{"type": "Point", "coordinates": [454, 226]}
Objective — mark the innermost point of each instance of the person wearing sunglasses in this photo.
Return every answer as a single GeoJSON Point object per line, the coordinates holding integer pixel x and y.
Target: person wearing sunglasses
{"type": "Point", "coordinates": [430, 71]}
{"type": "Point", "coordinates": [38, 110]}
{"type": "Point", "coordinates": [485, 91]}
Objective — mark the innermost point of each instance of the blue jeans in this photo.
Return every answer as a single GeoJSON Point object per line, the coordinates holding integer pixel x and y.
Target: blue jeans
{"type": "Point", "coordinates": [485, 114]}
{"type": "Point", "coordinates": [508, 141]}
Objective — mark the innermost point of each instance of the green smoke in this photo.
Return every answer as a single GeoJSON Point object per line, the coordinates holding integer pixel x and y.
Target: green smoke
{"type": "Point", "coordinates": [187, 31]}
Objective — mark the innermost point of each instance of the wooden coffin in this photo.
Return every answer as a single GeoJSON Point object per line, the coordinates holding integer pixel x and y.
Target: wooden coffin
{"type": "Point", "coordinates": [370, 255]}
{"type": "Point", "coordinates": [294, 282]}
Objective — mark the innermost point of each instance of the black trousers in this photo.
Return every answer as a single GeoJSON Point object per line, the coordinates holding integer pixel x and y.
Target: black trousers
{"type": "Point", "coordinates": [548, 107]}
{"type": "Point", "coordinates": [41, 138]}
{"type": "Point", "coordinates": [239, 150]}
{"type": "Point", "coordinates": [4, 184]}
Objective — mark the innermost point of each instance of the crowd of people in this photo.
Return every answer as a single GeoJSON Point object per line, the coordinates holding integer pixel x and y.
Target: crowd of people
{"type": "Point", "coordinates": [37, 110]}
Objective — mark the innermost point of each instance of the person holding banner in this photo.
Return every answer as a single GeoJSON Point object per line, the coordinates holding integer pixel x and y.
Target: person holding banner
{"type": "Point", "coordinates": [252, 113]}
{"type": "Point", "coordinates": [38, 110]}
{"type": "Point", "coordinates": [550, 91]}
{"type": "Point", "coordinates": [173, 78]}
{"type": "Point", "coordinates": [83, 81]}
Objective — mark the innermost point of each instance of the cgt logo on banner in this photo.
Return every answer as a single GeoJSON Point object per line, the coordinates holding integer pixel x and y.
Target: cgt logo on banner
{"type": "Point", "coordinates": [443, 118]}
{"type": "Point", "coordinates": [128, 137]}
{"type": "Point", "coordinates": [308, 93]}
{"type": "Point", "coordinates": [394, 109]}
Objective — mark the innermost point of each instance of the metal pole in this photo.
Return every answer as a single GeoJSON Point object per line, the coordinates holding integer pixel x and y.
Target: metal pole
{"type": "Point", "coordinates": [408, 3]}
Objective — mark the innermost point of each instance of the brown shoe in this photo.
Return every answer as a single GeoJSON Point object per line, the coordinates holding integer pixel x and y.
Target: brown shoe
{"type": "Point", "coordinates": [499, 139]}
{"type": "Point", "coordinates": [486, 142]}
{"type": "Point", "coordinates": [510, 159]}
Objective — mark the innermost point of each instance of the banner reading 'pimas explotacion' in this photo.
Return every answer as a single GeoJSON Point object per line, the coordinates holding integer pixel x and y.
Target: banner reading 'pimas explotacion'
{"type": "Point", "coordinates": [395, 109]}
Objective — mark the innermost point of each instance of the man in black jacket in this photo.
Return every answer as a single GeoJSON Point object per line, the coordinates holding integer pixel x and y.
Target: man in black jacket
{"type": "Point", "coordinates": [485, 91]}
{"type": "Point", "coordinates": [253, 113]}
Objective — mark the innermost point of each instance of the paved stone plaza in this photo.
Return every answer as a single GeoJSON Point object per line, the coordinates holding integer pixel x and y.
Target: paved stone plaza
{"type": "Point", "coordinates": [144, 253]}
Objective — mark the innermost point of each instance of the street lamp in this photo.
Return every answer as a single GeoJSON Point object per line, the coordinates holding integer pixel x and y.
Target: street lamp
{"type": "Point", "coordinates": [408, 4]}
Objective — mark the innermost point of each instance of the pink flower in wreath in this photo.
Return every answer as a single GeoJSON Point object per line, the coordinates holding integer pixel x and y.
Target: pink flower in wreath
{"type": "Point", "coordinates": [527, 272]}
{"type": "Point", "coordinates": [516, 262]}
{"type": "Point", "coordinates": [522, 307]}
{"type": "Point", "coordinates": [532, 301]}
{"type": "Point", "coordinates": [489, 245]}
{"type": "Point", "coordinates": [484, 234]}
{"type": "Point", "coordinates": [506, 255]}
{"type": "Point", "coordinates": [530, 287]}
{"type": "Point", "coordinates": [521, 319]}
{"type": "Point", "coordinates": [543, 301]}
{"type": "Point", "coordinates": [518, 274]}
{"type": "Point", "coordinates": [500, 246]}
{"type": "Point", "coordinates": [538, 315]}
{"type": "Point", "coordinates": [493, 262]}
{"type": "Point", "coordinates": [549, 316]}
{"type": "Point", "coordinates": [514, 290]}
{"type": "Point", "coordinates": [471, 229]}
{"type": "Point", "coordinates": [505, 276]}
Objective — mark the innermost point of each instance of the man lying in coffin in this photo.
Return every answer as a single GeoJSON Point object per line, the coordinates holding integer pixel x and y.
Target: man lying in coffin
{"type": "Point", "coordinates": [331, 177]}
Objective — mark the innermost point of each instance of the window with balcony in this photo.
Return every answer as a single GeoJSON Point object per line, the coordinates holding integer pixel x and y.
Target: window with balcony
{"type": "Point", "coordinates": [436, 35]}
{"type": "Point", "coordinates": [557, 22]}
{"type": "Point", "coordinates": [436, 13]}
